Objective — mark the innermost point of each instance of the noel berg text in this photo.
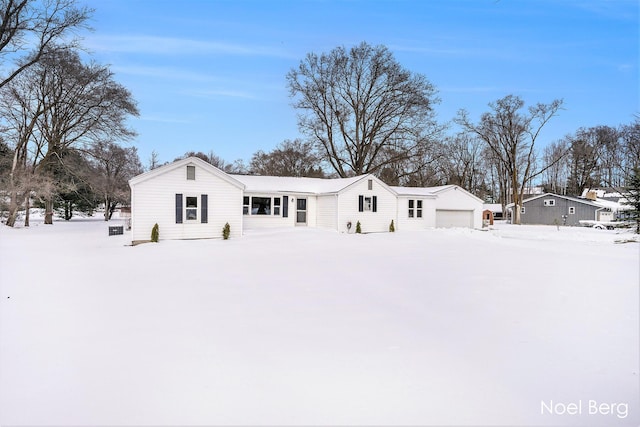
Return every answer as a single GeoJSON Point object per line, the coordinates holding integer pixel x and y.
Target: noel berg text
{"type": "Point", "coordinates": [590, 407]}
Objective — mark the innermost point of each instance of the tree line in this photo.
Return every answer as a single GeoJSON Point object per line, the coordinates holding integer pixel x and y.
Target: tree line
{"type": "Point", "coordinates": [62, 118]}
{"type": "Point", "coordinates": [63, 132]}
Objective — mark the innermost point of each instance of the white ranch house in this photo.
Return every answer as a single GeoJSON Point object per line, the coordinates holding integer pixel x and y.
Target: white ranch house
{"type": "Point", "coordinates": [191, 199]}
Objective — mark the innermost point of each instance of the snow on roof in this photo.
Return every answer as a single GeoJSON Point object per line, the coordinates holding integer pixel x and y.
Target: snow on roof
{"type": "Point", "coordinates": [288, 184]}
{"type": "Point", "coordinates": [413, 191]}
{"type": "Point", "coordinates": [493, 207]}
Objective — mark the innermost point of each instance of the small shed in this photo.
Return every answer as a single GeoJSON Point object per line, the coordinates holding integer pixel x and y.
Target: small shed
{"type": "Point", "coordinates": [487, 217]}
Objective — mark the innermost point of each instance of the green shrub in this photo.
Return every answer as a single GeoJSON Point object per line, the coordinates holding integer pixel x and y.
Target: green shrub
{"type": "Point", "coordinates": [392, 228]}
{"type": "Point", "coordinates": [226, 231]}
{"type": "Point", "coordinates": [358, 227]}
{"type": "Point", "coordinates": [155, 233]}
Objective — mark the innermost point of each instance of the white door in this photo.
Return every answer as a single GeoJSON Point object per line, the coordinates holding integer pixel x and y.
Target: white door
{"type": "Point", "coordinates": [454, 218]}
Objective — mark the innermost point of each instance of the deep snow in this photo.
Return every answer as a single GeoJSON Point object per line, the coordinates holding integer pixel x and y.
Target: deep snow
{"type": "Point", "coordinates": [305, 326]}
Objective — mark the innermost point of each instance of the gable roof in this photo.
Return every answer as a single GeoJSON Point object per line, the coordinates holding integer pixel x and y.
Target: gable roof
{"type": "Point", "coordinates": [288, 184]}
{"type": "Point", "coordinates": [433, 191]}
{"type": "Point", "coordinates": [182, 163]}
{"type": "Point", "coordinates": [572, 199]}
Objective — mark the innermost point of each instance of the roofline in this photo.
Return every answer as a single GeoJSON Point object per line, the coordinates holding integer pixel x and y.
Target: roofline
{"type": "Point", "coordinates": [361, 178]}
{"type": "Point", "coordinates": [452, 186]}
{"type": "Point", "coordinates": [573, 199]}
{"type": "Point", "coordinates": [182, 162]}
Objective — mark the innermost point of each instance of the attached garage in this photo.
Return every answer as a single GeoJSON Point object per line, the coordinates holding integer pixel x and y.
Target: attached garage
{"type": "Point", "coordinates": [456, 207]}
{"type": "Point", "coordinates": [454, 218]}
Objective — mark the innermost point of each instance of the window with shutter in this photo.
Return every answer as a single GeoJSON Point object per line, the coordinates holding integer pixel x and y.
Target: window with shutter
{"type": "Point", "coordinates": [204, 208]}
{"type": "Point", "coordinates": [178, 208]}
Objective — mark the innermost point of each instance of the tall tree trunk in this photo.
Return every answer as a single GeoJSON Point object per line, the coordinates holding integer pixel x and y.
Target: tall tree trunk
{"type": "Point", "coordinates": [107, 206]}
{"type": "Point", "coordinates": [27, 207]}
{"type": "Point", "coordinates": [13, 209]}
{"type": "Point", "coordinates": [48, 211]}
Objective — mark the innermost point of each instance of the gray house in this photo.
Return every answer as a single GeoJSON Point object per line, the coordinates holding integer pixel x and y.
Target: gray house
{"type": "Point", "coordinates": [554, 209]}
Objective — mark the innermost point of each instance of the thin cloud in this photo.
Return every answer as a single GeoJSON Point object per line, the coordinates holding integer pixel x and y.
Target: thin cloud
{"type": "Point", "coordinates": [169, 73]}
{"type": "Point", "coordinates": [219, 94]}
{"type": "Point", "coordinates": [153, 45]}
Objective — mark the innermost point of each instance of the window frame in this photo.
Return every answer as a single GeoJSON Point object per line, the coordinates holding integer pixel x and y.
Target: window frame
{"type": "Point", "coordinates": [190, 211]}
{"type": "Point", "coordinates": [549, 203]}
{"type": "Point", "coordinates": [572, 210]}
{"type": "Point", "coordinates": [274, 206]}
{"type": "Point", "coordinates": [367, 204]}
{"type": "Point", "coordinates": [191, 173]}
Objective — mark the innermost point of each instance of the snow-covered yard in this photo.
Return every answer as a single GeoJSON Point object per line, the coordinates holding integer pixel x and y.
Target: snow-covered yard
{"type": "Point", "coordinates": [519, 325]}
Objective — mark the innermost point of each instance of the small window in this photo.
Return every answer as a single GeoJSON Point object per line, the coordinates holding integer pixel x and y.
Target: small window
{"type": "Point", "coordinates": [191, 172]}
{"type": "Point", "coordinates": [572, 210]}
{"type": "Point", "coordinates": [550, 202]}
{"type": "Point", "coordinates": [192, 208]}
{"type": "Point", "coordinates": [245, 205]}
{"type": "Point", "coordinates": [522, 210]}
{"type": "Point", "coordinates": [367, 203]}
{"type": "Point", "coordinates": [370, 184]}
{"type": "Point", "coordinates": [415, 208]}
{"type": "Point", "coordinates": [276, 206]}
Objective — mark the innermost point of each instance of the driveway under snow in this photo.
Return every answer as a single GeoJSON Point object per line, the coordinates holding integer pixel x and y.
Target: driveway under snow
{"type": "Point", "coordinates": [519, 325]}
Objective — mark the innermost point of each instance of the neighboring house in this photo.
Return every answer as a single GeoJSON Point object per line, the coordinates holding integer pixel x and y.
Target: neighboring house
{"type": "Point", "coordinates": [554, 209]}
{"type": "Point", "coordinates": [191, 199]}
{"type": "Point", "coordinates": [495, 209]}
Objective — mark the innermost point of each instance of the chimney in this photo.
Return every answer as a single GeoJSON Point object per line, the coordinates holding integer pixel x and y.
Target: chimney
{"type": "Point", "coordinates": [591, 195]}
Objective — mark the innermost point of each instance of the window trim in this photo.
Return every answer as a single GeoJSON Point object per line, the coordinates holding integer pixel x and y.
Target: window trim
{"type": "Point", "coordinates": [572, 210]}
{"type": "Point", "coordinates": [190, 209]}
{"type": "Point", "coordinates": [414, 209]}
{"type": "Point", "coordinates": [191, 176]}
{"type": "Point", "coordinates": [275, 206]}
{"type": "Point", "coordinates": [549, 202]}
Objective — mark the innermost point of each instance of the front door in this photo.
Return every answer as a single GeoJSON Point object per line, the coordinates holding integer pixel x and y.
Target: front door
{"type": "Point", "coordinates": [301, 211]}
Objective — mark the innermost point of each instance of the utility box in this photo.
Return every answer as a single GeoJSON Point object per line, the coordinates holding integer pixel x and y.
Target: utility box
{"type": "Point", "coordinates": [116, 230]}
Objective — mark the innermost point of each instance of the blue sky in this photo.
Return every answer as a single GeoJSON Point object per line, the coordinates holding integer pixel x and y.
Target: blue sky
{"type": "Point", "coordinates": [210, 75]}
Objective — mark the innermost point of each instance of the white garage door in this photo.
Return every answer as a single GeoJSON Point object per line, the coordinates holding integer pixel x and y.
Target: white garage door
{"type": "Point", "coordinates": [451, 218]}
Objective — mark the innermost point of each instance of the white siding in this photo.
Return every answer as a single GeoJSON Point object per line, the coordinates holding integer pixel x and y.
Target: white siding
{"type": "Point", "coordinates": [456, 199]}
{"type": "Point", "coordinates": [274, 221]}
{"type": "Point", "coordinates": [326, 211]}
{"type": "Point", "coordinates": [405, 223]}
{"type": "Point", "coordinates": [370, 222]}
{"type": "Point", "coordinates": [153, 201]}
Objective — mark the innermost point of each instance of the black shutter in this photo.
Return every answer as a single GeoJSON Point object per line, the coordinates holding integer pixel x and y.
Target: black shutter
{"type": "Point", "coordinates": [204, 208]}
{"type": "Point", "coordinates": [360, 203]}
{"type": "Point", "coordinates": [178, 208]}
{"type": "Point", "coordinates": [375, 203]}
{"type": "Point", "coordinates": [285, 206]}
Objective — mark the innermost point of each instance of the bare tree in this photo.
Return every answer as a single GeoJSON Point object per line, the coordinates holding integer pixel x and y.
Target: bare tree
{"type": "Point", "coordinates": [58, 104]}
{"type": "Point", "coordinates": [32, 29]}
{"type": "Point", "coordinates": [290, 158]}
{"type": "Point", "coordinates": [361, 108]}
{"type": "Point", "coordinates": [511, 137]}
{"type": "Point", "coordinates": [113, 167]}
{"type": "Point", "coordinates": [153, 160]}
{"type": "Point", "coordinates": [555, 157]}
